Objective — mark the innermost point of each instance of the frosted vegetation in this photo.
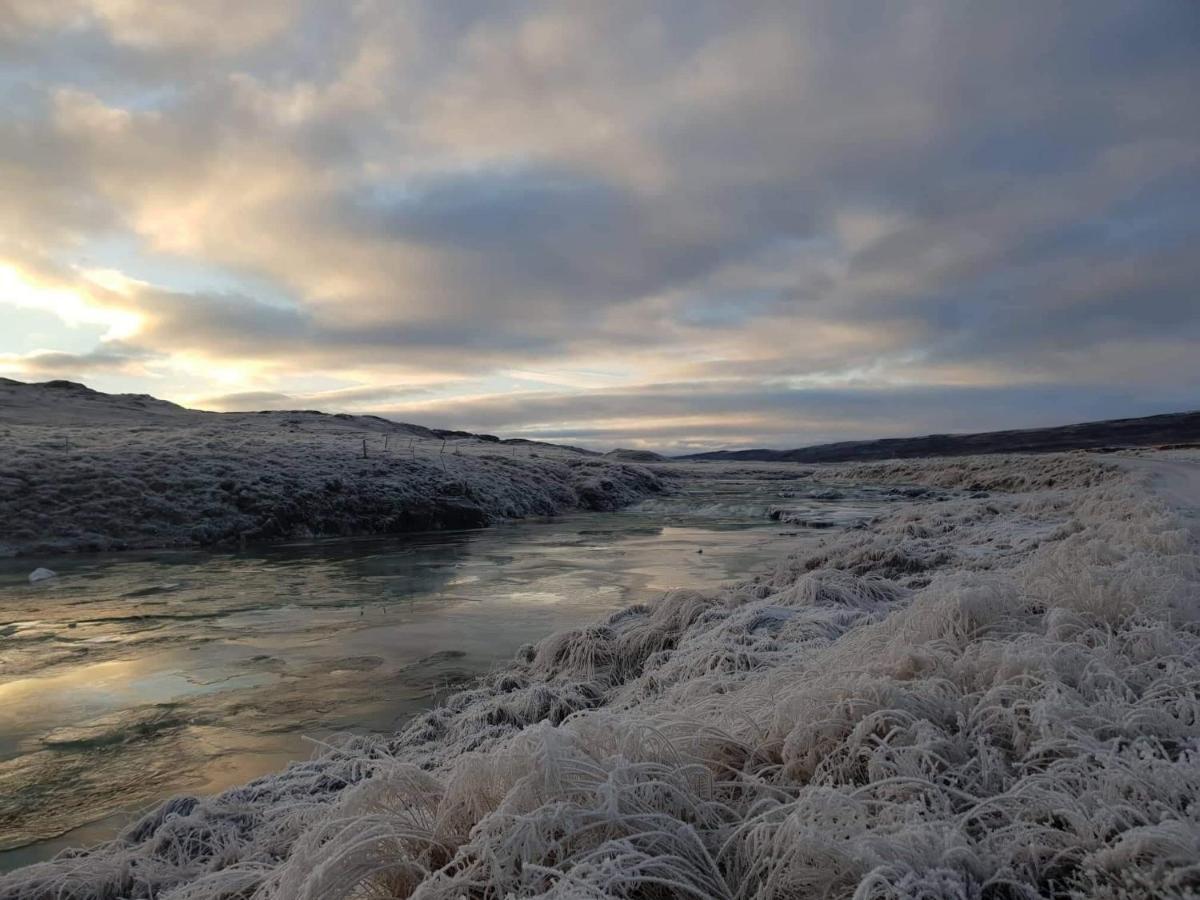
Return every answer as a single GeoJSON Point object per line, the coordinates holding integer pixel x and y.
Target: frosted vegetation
{"type": "Point", "coordinates": [990, 696]}
{"type": "Point", "coordinates": [202, 479]}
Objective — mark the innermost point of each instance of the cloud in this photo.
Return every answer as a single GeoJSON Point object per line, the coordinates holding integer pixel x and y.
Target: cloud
{"type": "Point", "coordinates": [341, 400]}
{"type": "Point", "coordinates": [110, 357]}
{"type": "Point", "coordinates": [880, 197]}
{"type": "Point", "coordinates": [221, 26]}
{"type": "Point", "coordinates": [249, 401]}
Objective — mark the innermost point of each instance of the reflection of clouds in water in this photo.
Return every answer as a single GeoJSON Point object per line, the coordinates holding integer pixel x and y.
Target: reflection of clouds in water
{"type": "Point", "coordinates": [253, 652]}
{"type": "Point", "coordinates": [97, 607]}
{"type": "Point", "coordinates": [535, 598]}
{"type": "Point", "coordinates": [74, 686]}
{"type": "Point", "coordinates": [211, 736]}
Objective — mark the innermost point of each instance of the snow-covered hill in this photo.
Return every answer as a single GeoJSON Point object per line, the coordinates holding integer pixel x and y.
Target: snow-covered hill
{"type": "Point", "coordinates": [84, 470]}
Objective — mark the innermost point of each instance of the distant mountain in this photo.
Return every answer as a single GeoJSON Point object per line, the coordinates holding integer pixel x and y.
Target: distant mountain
{"type": "Point", "coordinates": [1172, 428]}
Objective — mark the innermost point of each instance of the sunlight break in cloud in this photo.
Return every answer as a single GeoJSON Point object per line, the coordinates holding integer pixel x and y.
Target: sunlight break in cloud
{"type": "Point", "coordinates": [72, 305]}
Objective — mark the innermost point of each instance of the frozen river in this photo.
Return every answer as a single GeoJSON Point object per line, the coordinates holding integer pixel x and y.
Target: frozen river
{"type": "Point", "coordinates": [135, 676]}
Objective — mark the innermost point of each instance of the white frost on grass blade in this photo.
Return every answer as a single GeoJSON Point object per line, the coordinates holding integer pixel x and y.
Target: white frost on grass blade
{"type": "Point", "coordinates": [993, 697]}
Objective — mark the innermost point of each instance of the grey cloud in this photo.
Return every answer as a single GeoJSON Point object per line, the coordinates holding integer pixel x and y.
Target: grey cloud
{"type": "Point", "coordinates": [232, 326]}
{"type": "Point", "coordinates": [110, 357]}
{"type": "Point", "coordinates": [470, 189]}
{"type": "Point", "coordinates": [325, 401]}
{"type": "Point", "coordinates": [248, 401]}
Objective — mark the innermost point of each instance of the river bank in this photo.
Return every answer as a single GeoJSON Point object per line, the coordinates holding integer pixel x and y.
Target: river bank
{"type": "Point", "coordinates": [98, 488]}
{"type": "Point", "coordinates": [994, 692]}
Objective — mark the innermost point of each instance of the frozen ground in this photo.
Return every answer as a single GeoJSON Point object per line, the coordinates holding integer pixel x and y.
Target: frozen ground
{"type": "Point", "coordinates": [82, 470]}
{"type": "Point", "coordinates": [990, 694]}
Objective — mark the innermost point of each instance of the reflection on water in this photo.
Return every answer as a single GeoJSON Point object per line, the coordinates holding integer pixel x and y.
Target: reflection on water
{"type": "Point", "coordinates": [135, 676]}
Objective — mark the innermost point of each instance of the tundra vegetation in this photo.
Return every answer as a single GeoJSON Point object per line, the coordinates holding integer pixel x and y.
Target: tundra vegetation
{"type": "Point", "coordinates": [988, 695]}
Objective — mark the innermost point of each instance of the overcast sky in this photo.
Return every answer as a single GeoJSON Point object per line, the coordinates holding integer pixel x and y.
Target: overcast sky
{"type": "Point", "coordinates": [672, 225]}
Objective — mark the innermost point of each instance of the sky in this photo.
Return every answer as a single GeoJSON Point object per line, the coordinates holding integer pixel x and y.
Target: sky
{"type": "Point", "coordinates": [671, 225]}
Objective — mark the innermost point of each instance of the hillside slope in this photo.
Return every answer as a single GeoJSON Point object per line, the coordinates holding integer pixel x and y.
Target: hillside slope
{"type": "Point", "coordinates": [84, 470]}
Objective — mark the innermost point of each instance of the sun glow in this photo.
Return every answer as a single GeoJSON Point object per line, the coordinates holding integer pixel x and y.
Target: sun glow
{"type": "Point", "coordinates": [72, 305]}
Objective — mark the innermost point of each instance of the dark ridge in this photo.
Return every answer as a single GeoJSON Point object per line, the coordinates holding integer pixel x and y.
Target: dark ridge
{"type": "Point", "coordinates": [1171, 429]}
{"type": "Point", "coordinates": [627, 455]}
{"type": "Point", "coordinates": [451, 433]}
{"type": "Point", "coordinates": [61, 385]}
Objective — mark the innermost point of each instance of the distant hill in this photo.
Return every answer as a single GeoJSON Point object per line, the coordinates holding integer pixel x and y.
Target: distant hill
{"type": "Point", "coordinates": [84, 470]}
{"type": "Point", "coordinates": [1172, 428]}
{"type": "Point", "coordinates": [626, 455]}
{"type": "Point", "coordinates": [68, 403]}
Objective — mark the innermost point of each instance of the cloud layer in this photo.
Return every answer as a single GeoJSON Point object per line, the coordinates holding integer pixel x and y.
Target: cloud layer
{"type": "Point", "coordinates": [668, 224]}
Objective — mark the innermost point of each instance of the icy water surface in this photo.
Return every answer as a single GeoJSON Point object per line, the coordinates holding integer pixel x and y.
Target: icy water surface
{"type": "Point", "coordinates": [135, 676]}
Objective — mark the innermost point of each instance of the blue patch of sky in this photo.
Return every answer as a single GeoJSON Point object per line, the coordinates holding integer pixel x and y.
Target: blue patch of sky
{"type": "Point", "coordinates": [25, 330]}
{"type": "Point", "coordinates": [1164, 214]}
{"type": "Point", "coordinates": [29, 81]}
{"type": "Point", "coordinates": [82, 57]}
{"type": "Point", "coordinates": [20, 98]}
{"type": "Point", "coordinates": [727, 310]}
{"type": "Point", "coordinates": [482, 206]}
{"type": "Point", "coordinates": [1026, 152]}
{"type": "Point", "coordinates": [124, 253]}
{"type": "Point", "coordinates": [1129, 38]}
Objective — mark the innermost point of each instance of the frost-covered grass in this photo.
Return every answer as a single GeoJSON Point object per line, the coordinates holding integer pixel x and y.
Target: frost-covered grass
{"type": "Point", "coordinates": [205, 480]}
{"type": "Point", "coordinates": [994, 696]}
